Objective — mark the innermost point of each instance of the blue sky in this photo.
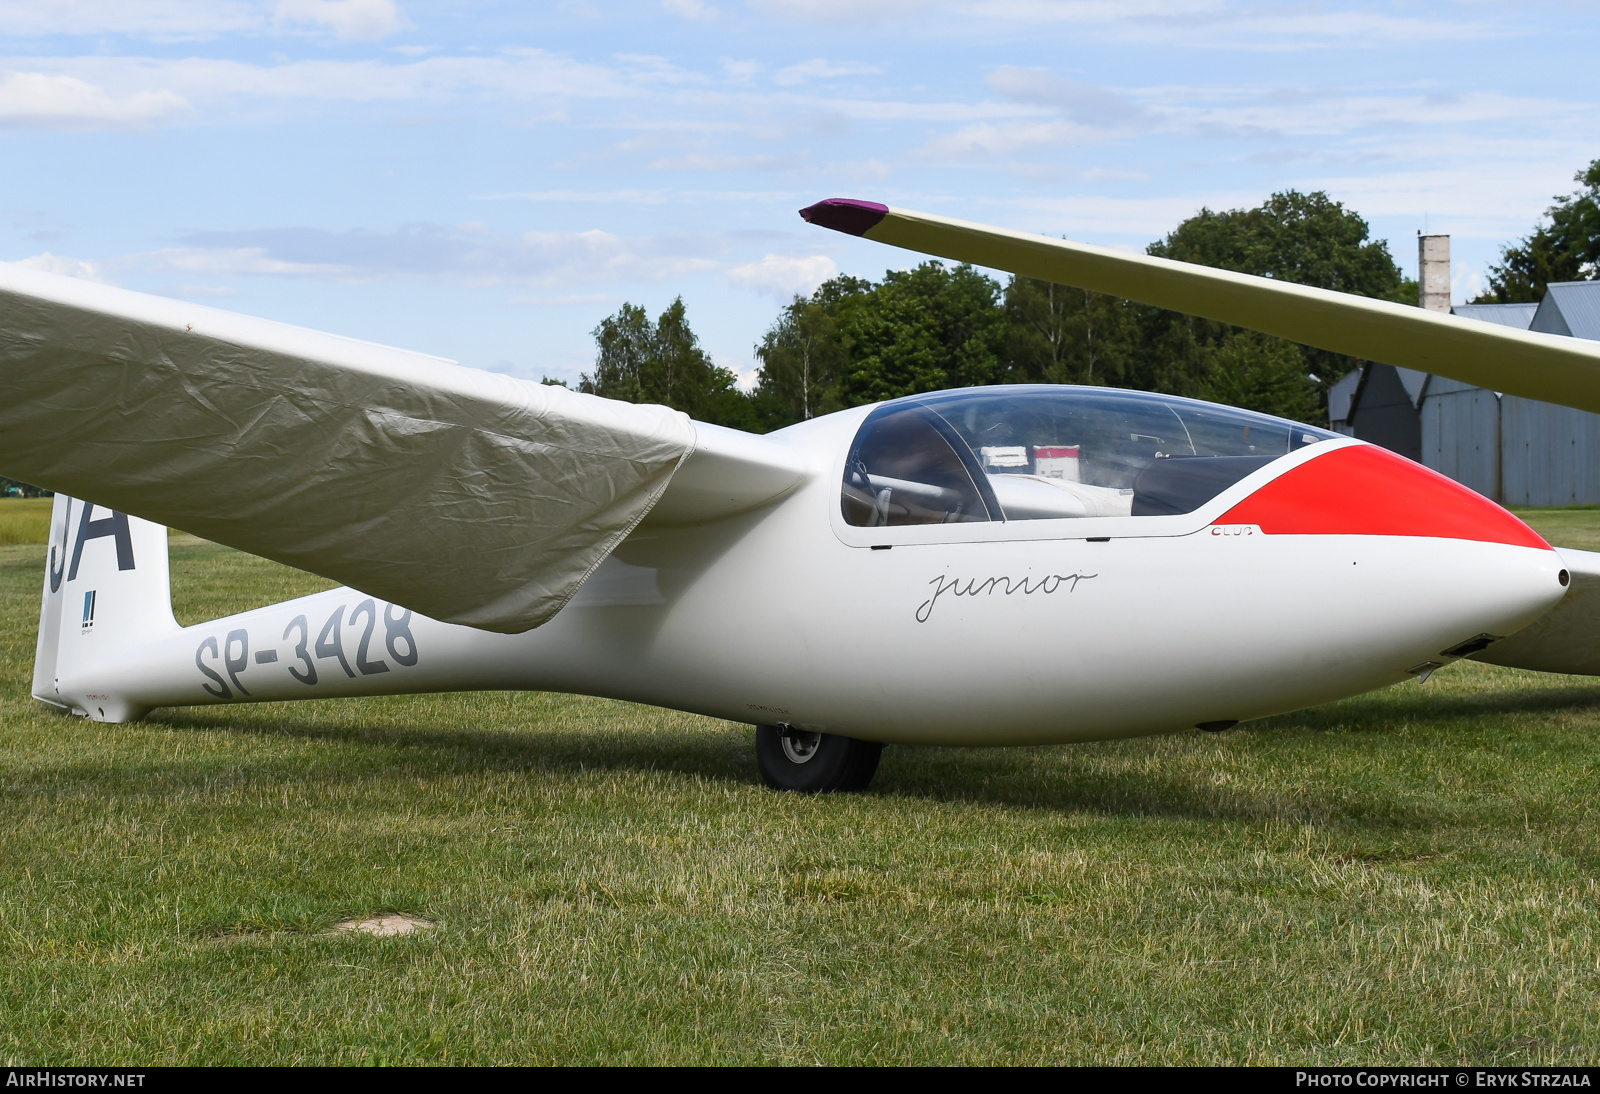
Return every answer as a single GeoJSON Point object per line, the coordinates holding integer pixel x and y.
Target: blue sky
{"type": "Point", "coordinates": [486, 181]}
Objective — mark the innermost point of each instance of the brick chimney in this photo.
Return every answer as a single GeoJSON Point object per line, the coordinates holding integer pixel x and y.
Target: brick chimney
{"type": "Point", "coordinates": [1433, 272]}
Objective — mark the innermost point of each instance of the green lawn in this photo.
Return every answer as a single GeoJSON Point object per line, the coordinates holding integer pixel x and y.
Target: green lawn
{"type": "Point", "coordinates": [1409, 876]}
{"type": "Point", "coordinates": [24, 520]}
{"type": "Point", "coordinates": [1576, 527]}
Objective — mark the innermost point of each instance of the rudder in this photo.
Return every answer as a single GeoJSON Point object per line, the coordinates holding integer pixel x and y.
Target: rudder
{"type": "Point", "coordinates": [107, 587]}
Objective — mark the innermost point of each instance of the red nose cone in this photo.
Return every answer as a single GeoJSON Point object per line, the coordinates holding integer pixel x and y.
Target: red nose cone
{"type": "Point", "coordinates": [1364, 490]}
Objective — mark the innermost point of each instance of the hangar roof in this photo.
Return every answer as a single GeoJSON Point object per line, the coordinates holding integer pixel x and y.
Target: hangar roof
{"type": "Point", "coordinates": [1571, 308]}
{"type": "Point", "coordinates": [1507, 315]}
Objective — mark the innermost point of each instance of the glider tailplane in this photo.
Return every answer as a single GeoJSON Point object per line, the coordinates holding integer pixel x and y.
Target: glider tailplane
{"type": "Point", "coordinates": [107, 593]}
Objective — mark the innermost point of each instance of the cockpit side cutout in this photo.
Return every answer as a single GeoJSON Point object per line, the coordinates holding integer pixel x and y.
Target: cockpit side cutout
{"type": "Point", "coordinates": [921, 472]}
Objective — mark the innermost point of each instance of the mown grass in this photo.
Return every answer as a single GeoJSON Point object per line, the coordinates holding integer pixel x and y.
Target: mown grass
{"type": "Point", "coordinates": [1409, 876]}
{"type": "Point", "coordinates": [24, 520]}
{"type": "Point", "coordinates": [1578, 526]}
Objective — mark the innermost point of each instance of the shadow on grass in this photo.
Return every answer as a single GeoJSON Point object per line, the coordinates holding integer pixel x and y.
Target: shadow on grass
{"type": "Point", "coordinates": [1132, 778]}
{"type": "Point", "coordinates": [1109, 778]}
{"type": "Point", "coordinates": [1392, 709]}
{"type": "Point", "coordinates": [720, 756]}
{"type": "Point", "coordinates": [1117, 778]}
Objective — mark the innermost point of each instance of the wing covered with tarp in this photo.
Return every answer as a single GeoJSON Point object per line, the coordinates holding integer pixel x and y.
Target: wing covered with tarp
{"type": "Point", "coordinates": [468, 496]}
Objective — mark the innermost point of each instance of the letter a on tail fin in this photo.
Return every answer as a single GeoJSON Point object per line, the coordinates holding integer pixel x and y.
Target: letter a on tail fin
{"type": "Point", "coordinates": [107, 591]}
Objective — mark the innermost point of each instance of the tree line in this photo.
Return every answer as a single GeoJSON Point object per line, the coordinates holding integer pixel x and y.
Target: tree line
{"type": "Point", "coordinates": [855, 341]}
{"type": "Point", "coordinates": [13, 488]}
{"type": "Point", "coordinates": [1566, 247]}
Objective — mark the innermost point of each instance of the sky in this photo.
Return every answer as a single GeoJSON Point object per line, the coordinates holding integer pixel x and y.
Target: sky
{"type": "Point", "coordinates": [487, 181]}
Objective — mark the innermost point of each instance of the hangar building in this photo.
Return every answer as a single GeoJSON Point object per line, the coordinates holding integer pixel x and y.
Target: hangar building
{"type": "Point", "coordinates": [1514, 450]}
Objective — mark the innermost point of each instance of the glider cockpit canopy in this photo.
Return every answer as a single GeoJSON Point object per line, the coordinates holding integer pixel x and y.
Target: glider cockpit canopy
{"type": "Point", "coordinates": [1049, 451]}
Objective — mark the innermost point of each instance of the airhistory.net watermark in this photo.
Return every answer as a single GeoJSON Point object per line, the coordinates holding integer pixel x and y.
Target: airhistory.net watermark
{"type": "Point", "coordinates": [46, 1078]}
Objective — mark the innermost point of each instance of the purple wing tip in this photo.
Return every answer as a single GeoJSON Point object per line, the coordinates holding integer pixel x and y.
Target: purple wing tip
{"type": "Point", "coordinates": [845, 215]}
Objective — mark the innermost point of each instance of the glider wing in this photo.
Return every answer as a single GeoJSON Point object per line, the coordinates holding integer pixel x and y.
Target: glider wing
{"type": "Point", "coordinates": [1537, 366]}
{"type": "Point", "coordinates": [470, 497]}
{"type": "Point", "coordinates": [1567, 637]}
{"type": "Point", "coordinates": [729, 472]}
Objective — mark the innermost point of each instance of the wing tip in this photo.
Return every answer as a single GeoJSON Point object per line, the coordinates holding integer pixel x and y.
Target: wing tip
{"type": "Point", "coordinates": [847, 215]}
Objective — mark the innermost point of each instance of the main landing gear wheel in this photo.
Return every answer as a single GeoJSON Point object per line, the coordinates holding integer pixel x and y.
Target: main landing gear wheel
{"type": "Point", "coordinates": [814, 763]}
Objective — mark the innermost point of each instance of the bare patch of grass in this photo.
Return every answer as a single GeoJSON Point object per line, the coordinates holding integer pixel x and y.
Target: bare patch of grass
{"type": "Point", "coordinates": [385, 926]}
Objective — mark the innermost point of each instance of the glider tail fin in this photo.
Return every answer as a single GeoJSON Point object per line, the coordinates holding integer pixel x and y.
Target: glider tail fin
{"type": "Point", "coordinates": [44, 652]}
{"type": "Point", "coordinates": [107, 592]}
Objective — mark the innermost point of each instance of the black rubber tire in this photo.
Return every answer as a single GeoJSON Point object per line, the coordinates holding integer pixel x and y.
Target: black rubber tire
{"type": "Point", "coordinates": [837, 763]}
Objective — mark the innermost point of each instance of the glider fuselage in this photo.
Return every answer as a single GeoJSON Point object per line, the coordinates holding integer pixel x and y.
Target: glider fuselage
{"type": "Point", "coordinates": [1005, 632]}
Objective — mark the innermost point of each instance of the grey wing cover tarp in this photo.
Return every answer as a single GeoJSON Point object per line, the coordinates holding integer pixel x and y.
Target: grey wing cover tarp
{"type": "Point", "coordinates": [468, 496]}
{"type": "Point", "coordinates": [1567, 637]}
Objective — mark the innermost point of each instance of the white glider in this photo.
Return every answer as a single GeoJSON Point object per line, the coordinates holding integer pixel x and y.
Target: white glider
{"type": "Point", "coordinates": [987, 566]}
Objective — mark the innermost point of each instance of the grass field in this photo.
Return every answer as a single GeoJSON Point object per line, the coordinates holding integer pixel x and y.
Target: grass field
{"type": "Point", "coordinates": [24, 520]}
{"type": "Point", "coordinates": [1409, 876]}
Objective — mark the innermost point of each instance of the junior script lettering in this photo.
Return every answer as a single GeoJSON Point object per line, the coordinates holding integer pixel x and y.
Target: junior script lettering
{"type": "Point", "coordinates": [989, 586]}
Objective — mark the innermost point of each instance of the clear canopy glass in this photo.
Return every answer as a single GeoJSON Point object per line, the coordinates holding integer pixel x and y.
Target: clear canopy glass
{"type": "Point", "coordinates": [1049, 451]}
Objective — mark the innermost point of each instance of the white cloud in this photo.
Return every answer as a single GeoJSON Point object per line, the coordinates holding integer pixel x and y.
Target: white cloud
{"type": "Point", "coordinates": [219, 84]}
{"type": "Point", "coordinates": [782, 276]}
{"type": "Point", "coordinates": [982, 142]}
{"type": "Point", "coordinates": [1466, 283]}
{"type": "Point", "coordinates": [165, 20]}
{"type": "Point", "coordinates": [40, 100]}
{"type": "Point", "coordinates": [697, 162]}
{"type": "Point", "coordinates": [1205, 24]}
{"type": "Point", "coordinates": [470, 254]}
{"type": "Point", "coordinates": [197, 291]}
{"type": "Point", "coordinates": [1490, 193]}
{"type": "Point", "coordinates": [648, 68]}
{"type": "Point", "coordinates": [232, 261]}
{"type": "Point", "coordinates": [1084, 103]}
{"type": "Point", "coordinates": [746, 372]}
{"type": "Point", "coordinates": [652, 197]}
{"type": "Point", "coordinates": [1372, 129]}
{"type": "Point", "coordinates": [819, 69]}
{"type": "Point", "coordinates": [1108, 174]}
{"type": "Point", "coordinates": [68, 267]}
{"type": "Point", "coordinates": [861, 170]}
{"type": "Point", "coordinates": [121, 90]}
{"type": "Point", "coordinates": [189, 20]}
{"type": "Point", "coordinates": [1322, 112]}
{"type": "Point", "coordinates": [367, 20]}
{"type": "Point", "coordinates": [1094, 217]}
{"type": "Point", "coordinates": [588, 197]}
{"type": "Point", "coordinates": [838, 11]}
{"type": "Point", "coordinates": [565, 301]}
{"type": "Point", "coordinates": [690, 9]}
{"type": "Point", "coordinates": [1226, 24]}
